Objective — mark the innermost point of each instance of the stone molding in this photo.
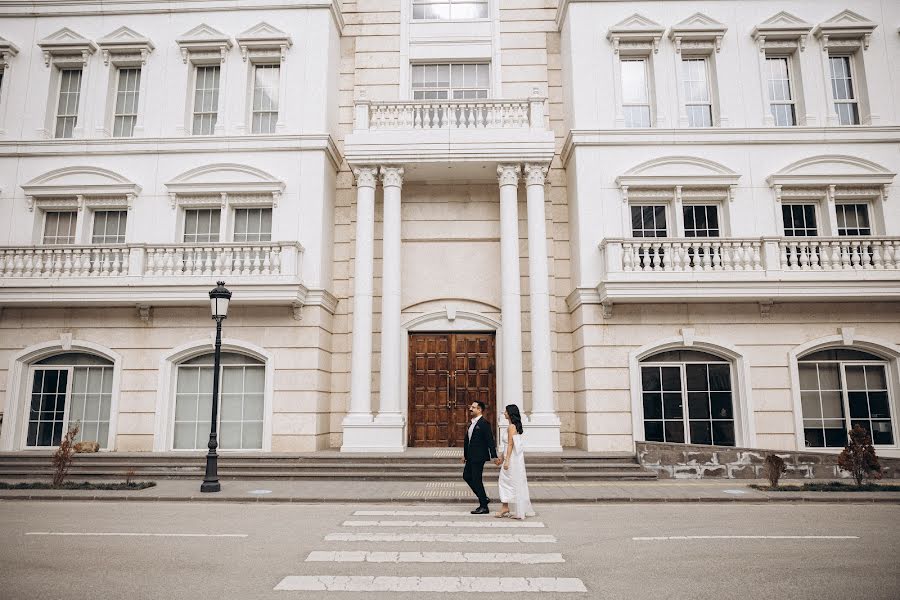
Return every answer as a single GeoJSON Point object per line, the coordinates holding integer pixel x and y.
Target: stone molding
{"type": "Point", "coordinates": [261, 39]}
{"type": "Point", "coordinates": [124, 46]}
{"type": "Point", "coordinates": [202, 44]}
{"type": "Point", "coordinates": [366, 176]}
{"type": "Point", "coordinates": [66, 47]}
{"type": "Point", "coordinates": [535, 174]}
{"type": "Point", "coordinates": [508, 174]}
{"type": "Point", "coordinates": [391, 176]}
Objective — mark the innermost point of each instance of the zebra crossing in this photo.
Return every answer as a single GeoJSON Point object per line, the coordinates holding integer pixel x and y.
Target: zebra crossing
{"type": "Point", "coordinates": [421, 544]}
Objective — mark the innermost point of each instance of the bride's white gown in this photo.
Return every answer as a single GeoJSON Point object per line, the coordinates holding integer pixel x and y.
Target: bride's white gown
{"type": "Point", "coordinates": [514, 483]}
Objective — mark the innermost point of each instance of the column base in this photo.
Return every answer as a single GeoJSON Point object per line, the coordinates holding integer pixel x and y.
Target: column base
{"type": "Point", "coordinates": [385, 433]}
{"type": "Point", "coordinates": [542, 433]}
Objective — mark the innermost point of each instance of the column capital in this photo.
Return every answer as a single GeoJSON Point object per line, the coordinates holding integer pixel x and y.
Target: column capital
{"type": "Point", "coordinates": [508, 174]}
{"type": "Point", "coordinates": [392, 176]}
{"type": "Point", "coordinates": [365, 176]}
{"type": "Point", "coordinates": [536, 174]}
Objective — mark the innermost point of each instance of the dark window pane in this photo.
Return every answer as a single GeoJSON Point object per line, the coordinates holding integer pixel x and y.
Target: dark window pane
{"type": "Point", "coordinates": [45, 434]}
{"type": "Point", "coordinates": [720, 403]}
{"type": "Point", "coordinates": [653, 431]}
{"type": "Point", "coordinates": [650, 381]}
{"type": "Point", "coordinates": [883, 433]}
{"type": "Point", "coordinates": [835, 437]}
{"type": "Point", "coordinates": [862, 423]}
{"type": "Point", "coordinates": [672, 406]}
{"type": "Point", "coordinates": [719, 378]}
{"type": "Point", "coordinates": [723, 433]}
{"type": "Point", "coordinates": [660, 214]}
{"type": "Point", "coordinates": [878, 403]}
{"type": "Point", "coordinates": [701, 432]}
{"type": "Point", "coordinates": [698, 405]}
{"type": "Point", "coordinates": [636, 221]}
{"type": "Point", "coordinates": [32, 434]}
{"type": "Point", "coordinates": [671, 379]}
{"type": "Point", "coordinates": [839, 354]}
{"type": "Point", "coordinates": [814, 437]}
{"type": "Point", "coordinates": [675, 431]}
{"type": "Point", "coordinates": [859, 406]}
{"type": "Point", "coordinates": [696, 377]}
{"type": "Point", "coordinates": [653, 406]}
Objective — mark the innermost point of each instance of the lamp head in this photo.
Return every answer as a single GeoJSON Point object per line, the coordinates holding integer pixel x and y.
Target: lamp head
{"type": "Point", "coordinates": [219, 297]}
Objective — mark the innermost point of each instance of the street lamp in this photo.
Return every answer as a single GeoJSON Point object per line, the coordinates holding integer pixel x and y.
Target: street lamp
{"type": "Point", "coordinates": [219, 298]}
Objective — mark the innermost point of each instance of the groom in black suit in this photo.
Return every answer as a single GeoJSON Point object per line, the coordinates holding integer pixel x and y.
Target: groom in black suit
{"type": "Point", "coordinates": [478, 448]}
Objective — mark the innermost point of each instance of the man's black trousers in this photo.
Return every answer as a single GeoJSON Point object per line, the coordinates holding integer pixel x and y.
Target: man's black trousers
{"type": "Point", "coordinates": [472, 473]}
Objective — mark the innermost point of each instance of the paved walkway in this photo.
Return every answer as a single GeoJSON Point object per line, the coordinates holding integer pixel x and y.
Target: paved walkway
{"type": "Point", "coordinates": [181, 490]}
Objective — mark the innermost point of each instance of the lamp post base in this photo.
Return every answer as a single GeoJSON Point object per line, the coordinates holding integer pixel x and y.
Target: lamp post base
{"type": "Point", "coordinates": [210, 486]}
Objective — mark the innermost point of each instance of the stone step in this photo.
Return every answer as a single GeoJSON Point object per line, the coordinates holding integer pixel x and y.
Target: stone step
{"type": "Point", "coordinates": [288, 475]}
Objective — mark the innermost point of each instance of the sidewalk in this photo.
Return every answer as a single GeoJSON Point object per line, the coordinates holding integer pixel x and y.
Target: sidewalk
{"type": "Point", "coordinates": [240, 491]}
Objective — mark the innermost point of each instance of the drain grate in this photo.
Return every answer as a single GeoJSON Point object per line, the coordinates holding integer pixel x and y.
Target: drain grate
{"type": "Point", "coordinates": [430, 494]}
{"type": "Point", "coordinates": [448, 452]}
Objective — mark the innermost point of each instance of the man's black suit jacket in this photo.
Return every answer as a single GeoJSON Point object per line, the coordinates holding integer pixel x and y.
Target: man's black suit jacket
{"type": "Point", "coordinates": [481, 446]}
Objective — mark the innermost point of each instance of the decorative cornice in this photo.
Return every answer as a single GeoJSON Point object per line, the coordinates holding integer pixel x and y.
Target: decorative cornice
{"type": "Point", "coordinates": [781, 27]}
{"type": "Point", "coordinates": [580, 296]}
{"type": "Point", "coordinates": [636, 29]}
{"type": "Point", "coordinates": [203, 39]}
{"type": "Point", "coordinates": [846, 25]}
{"type": "Point", "coordinates": [535, 174]}
{"type": "Point", "coordinates": [366, 176]}
{"type": "Point", "coordinates": [508, 174]}
{"type": "Point", "coordinates": [392, 176]}
{"type": "Point", "coordinates": [7, 50]}
{"type": "Point", "coordinates": [66, 45]}
{"type": "Point", "coordinates": [699, 30]}
{"type": "Point", "coordinates": [263, 37]}
{"type": "Point", "coordinates": [125, 41]}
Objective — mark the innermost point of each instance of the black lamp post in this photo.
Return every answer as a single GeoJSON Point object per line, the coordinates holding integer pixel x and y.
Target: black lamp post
{"type": "Point", "coordinates": [219, 298]}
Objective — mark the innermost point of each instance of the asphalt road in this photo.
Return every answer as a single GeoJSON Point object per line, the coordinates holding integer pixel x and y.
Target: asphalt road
{"type": "Point", "coordinates": [244, 551]}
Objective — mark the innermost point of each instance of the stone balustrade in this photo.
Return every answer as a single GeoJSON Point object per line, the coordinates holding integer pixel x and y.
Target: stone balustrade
{"type": "Point", "coordinates": [443, 114]}
{"type": "Point", "coordinates": [64, 261]}
{"type": "Point", "coordinates": [839, 254]}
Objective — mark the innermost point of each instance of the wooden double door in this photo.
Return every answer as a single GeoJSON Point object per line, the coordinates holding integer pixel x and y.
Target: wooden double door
{"type": "Point", "coordinates": [447, 372]}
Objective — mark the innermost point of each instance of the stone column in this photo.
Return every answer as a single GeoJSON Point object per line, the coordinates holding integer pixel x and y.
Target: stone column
{"type": "Point", "coordinates": [543, 427]}
{"type": "Point", "coordinates": [360, 412]}
{"type": "Point", "coordinates": [389, 413]}
{"type": "Point", "coordinates": [510, 287]}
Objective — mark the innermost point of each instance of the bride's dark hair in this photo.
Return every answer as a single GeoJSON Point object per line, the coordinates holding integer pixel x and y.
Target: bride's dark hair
{"type": "Point", "coordinates": [514, 416]}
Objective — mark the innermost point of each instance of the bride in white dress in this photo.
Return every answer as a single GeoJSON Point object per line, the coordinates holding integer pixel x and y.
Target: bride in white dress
{"type": "Point", "coordinates": [513, 482]}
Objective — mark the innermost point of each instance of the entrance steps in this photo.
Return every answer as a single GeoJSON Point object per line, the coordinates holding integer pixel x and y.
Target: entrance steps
{"type": "Point", "coordinates": [417, 464]}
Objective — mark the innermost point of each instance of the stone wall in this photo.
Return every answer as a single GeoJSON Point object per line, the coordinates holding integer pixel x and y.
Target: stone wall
{"type": "Point", "coordinates": [684, 461]}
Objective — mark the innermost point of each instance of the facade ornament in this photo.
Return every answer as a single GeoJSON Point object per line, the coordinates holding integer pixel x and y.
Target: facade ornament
{"type": "Point", "coordinates": [606, 309]}
{"type": "Point", "coordinates": [778, 193]}
{"type": "Point", "coordinates": [79, 202]}
{"type": "Point", "coordinates": [687, 336]}
{"type": "Point", "coordinates": [765, 308]}
{"type": "Point", "coordinates": [884, 192]}
{"type": "Point", "coordinates": [297, 311]}
{"type": "Point", "coordinates": [508, 174]}
{"type": "Point", "coordinates": [276, 196]}
{"type": "Point", "coordinates": [365, 176]}
{"type": "Point", "coordinates": [848, 335]}
{"type": "Point", "coordinates": [29, 203]}
{"type": "Point", "coordinates": [144, 312]}
{"type": "Point", "coordinates": [535, 174]}
{"type": "Point", "coordinates": [624, 190]}
{"type": "Point", "coordinates": [65, 341]}
{"type": "Point", "coordinates": [392, 176]}
{"type": "Point", "coordinates": [173, 200]}
{"type": "Point", "coordinates": [732, 192]}
{"type": "Point", "coordinates": [678, 197]}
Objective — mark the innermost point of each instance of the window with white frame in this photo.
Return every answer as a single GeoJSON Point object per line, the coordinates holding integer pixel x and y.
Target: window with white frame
{"type": "Point", "coordinates": [242, 405]}
{"type": "Point", "coordinates": [206, 99]}
{"type": "Point", "coordinates": [59, 227]}
{"type": "Point", "coordinates": [128, 87]}
{"type": "Point", "coordinates": [109, 227]}
{"type": "Point", "coordinates": [799, 219]}
{"type": "Point", "coordinates": [701, 220]}
{"type": "Point", "coordinates": [853, 219]}
{"type": "Point", "coordinates": [266, 80]}
{"type": "Point", "coordinates": [66, 389]}
{"type": "Point", "coordinates": [201, 225]}
{"type": "Point", "coordinates": [687, 397]}
{"type": "Point", "coordinates": [67, 105]}
{"type": "Point", "coordinates": [697, 94]}
{"type": "Point", "coordinates": [635, 92]}
{"type": "Point", "coordinates": [449, 10]}
{"type": "Point", "coordinates": [648, 221]}
{"type": "Point", "coordinates": [468, 81]}
{"type": "Point", "coordinates": [839, 389]}
{"type": "Point", "coordinates": [253, 225]}
{"type": "Point", "coordinates": [782, 103]}
{"type": "Point", "coordinates": [846, 103]}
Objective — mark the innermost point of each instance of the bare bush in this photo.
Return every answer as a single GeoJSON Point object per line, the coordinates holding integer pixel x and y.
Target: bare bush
{"type": "Point", "coordinates": [775, 468]}
{"type": "Point", "coordinates": [62, 458]}
{"type": "Point", "coordinates": [858, 456]}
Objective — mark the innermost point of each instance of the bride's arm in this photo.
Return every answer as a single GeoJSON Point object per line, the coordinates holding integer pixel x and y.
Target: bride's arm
{"type": "Point", "coordinates": [509, 445]}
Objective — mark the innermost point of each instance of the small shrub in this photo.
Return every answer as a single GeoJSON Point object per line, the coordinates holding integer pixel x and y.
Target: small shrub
{"type": "Point", "coordinates": [775, 468]}
{"type": "Point", "coordinates": [858, 456]}
{"type": "Point", "coordinates": [62, 458]}
{"type": "Point", "coordinates": [129, 476]}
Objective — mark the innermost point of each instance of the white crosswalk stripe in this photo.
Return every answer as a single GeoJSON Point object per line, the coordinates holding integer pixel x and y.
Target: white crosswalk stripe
{"type": "Point", "coordinates": [326, 581]}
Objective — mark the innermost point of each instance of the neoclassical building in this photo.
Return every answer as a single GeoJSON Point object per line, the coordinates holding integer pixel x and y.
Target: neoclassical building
{"type": "Point", "coordinates": [635, 221]}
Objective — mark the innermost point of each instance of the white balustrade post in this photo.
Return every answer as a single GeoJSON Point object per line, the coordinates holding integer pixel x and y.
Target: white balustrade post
{"type": "Point", "coordinates": [536, 109]}
{"type": "Point", "coordinates": [361, 116]}
{"type": "Point", "coordinates": [389, 415]}
{"type": "Point", "coordinates": [510, 286]}
{"type": "Point", "coordinates": [360, 411]}
{"type": "Point", "coordinates": [137, 258]}
{"type": "Point", "coordinates": [771, 255]}
{"type": "Point", "coordinates": [543, 426]}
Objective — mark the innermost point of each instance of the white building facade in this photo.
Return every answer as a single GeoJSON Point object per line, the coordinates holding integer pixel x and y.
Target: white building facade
{"type": "Point", "coordinates": [635, 221]}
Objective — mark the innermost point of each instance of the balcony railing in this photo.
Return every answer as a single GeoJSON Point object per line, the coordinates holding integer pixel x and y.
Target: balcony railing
{"type": "Point", "coordinates": [469, 114]}
{"type": "Point", "coordinates": [148, 261]}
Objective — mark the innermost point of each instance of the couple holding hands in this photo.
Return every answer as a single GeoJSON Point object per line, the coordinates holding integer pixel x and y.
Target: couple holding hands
{"type": "Point", "coordinates": [479, 448]}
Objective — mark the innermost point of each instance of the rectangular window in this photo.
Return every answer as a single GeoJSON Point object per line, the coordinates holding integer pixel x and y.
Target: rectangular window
{"type": "Point", "coordinates": [253, 225]}
{"type": "Point", "coordinates": [265, 98]}
{"type": "Point", "coordinates": [697, 97]}
{"type": "Point", "coordinates": [109, 227]}
{"type": "Point", "coordinates": [799, 219]}
{"type": "Point", "coordinates": [206, 100]}
{"type": "Point", "coordinates": [127, 91]}
{"type": "Point", "coordinates": [201, 226]}
{"type": "Point", "coordinates": [67, 108]}
{"type": "Point", "coordinates": [635, 92]}
{"type": "Point", "coordinates": [451, 81]}
{"type": "Point", "coordinates": [648, 221]}
{"type": "Point", "coordinates": [781, 96]}
{"type": "Point", "coordinates": [449, 10]}
{"type": "Point", "coordinates": [846, 104]}
{"type": "Point", "coordinates": [853, 219]}
{"type": "Point", "coordinates": [59, 227]}
{"type": "Point", "coordinates": [701, 220]}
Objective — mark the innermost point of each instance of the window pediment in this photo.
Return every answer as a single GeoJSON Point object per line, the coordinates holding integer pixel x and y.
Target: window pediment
{"type": "Point", "coordinates": [204, 43]}
{"type": "Point", "coordinates": [77, 185]}
{"type": "Point", "coordinates": [678, 177]}
{"type": "Point", "coordinates": [264, 41]}
{"type": "Point", "coordinates": [845, 29]}
{"type": "Point", "coordinates": [782, 30]}
{"type": "Point", "coordinates": [837, 176]}
{"type": "Point", "coordinates": [125, 45]}
{"type": "Point", "coordinates": [66, 46]}
{"type": "Point", "coordinates": [219, 183]}
{"type": "Point", "coordinates": [698, 32]}
{"type": "Point", "coordinates": [637, 31]}
{"type": "Point", "coordinates": [7, 51]}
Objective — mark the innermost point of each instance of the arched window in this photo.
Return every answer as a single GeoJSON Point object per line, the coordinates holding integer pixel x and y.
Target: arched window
{"type": "Point", "coordinates": [839, 389]}
{"type": "Point", "coordinates": [241, 412]}
{"type": "Point", "coordinates": [688, 398]}
{"type": "Point", "coordinates": [65, 389]}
